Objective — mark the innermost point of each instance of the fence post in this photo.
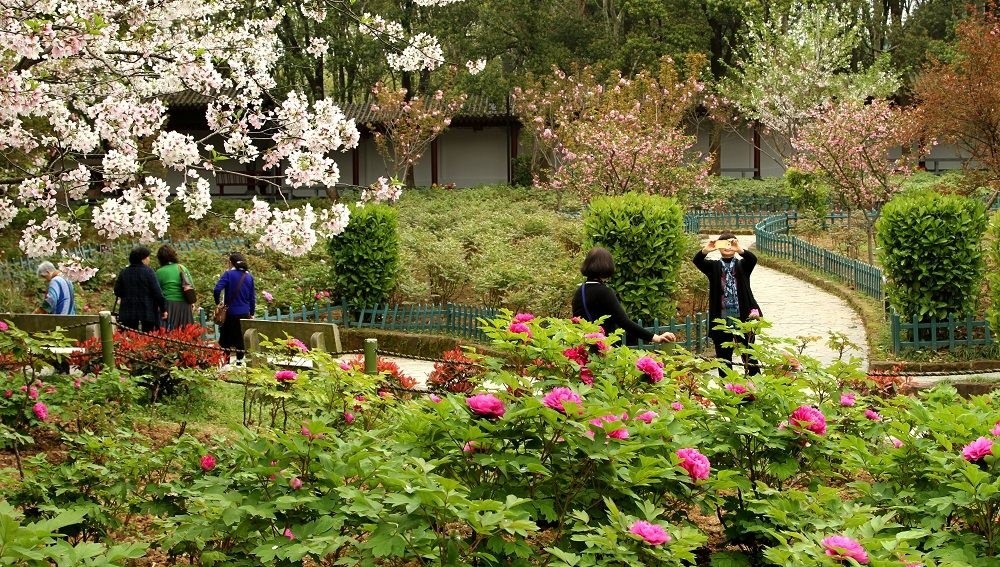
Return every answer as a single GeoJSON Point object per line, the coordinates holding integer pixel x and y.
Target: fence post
{"type": "Point", "coordinates": [107, 341]}
{"type": "Point", "coordinates": [371, 356]}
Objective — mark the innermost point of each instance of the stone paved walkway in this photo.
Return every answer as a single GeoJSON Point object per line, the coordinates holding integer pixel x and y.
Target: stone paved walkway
{"type": "Point", "coordinates": [794, 307]}
{"type": "Point", "coordinates": [797, 308]}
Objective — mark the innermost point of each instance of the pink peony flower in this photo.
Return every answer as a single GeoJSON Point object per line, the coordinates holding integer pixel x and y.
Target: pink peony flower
{"type": "Point", "coordinates": [647, 416]}
{"type": "Point", "coordinates": [586, 376]}
{"type": "Point", "coordinates": [577, 354]}
{"type": "Point", "coordinates": [33, 393]}
{"type": "Point", "coordinates": [575, 320]}
{"type": "Point", "coordinates": [207, 462]}
{"type": "Point", "coordinates": [348, 417]}
{"type": "Point", "coordinates": [618, 433]}
{"type": "Point", "coordinates": [994, 431]}
{"type": "Point", "coordinates": [8, 393]}
{"type": "Point", "coordinates": [3, 327]}
{"type": "Point", "coordinates": [470, 447]}
{"type": "Point", "coordinates": [872, 415]}
{"type": "Point", "coordinates": [696, 464]}
{"type": "Point", "coordinates": [295, 483]}
{"type": "Point", "coordinates": [651, 368]}
{"type": "Point", "coordinates": [558, 396]}
{"type": "Point", "coordinates": [288, 533]}
{"type": "Point", "coordinates": [978, 449]}
{"type": "Point", "coordinates": [677, 406]}
{"type": "Point", "coordinates": [810, 418]}
{"type": "Point", "coordinates": [895, 442]}
{"type": "Point", "coordinates": [738, 389]}
{"type": "Point", "coordinates": [599, 341]}
{"type": "Point", "coordinates": [344, 365]}
{"type": "Point", "coordinates": [847, 400]}
{"type": "Point", "coordinates": [521, 329]}
{"type": "Point", "coordinates": [754, 314]}
{"type": "Point", "coordinates": [653, 534]}
{"type": "Point", "coordinates": [843, 547]}
{"type": "Point", "coordinates": [41, 411]}
{"type": "Point", "coordinates": [285, 375]}
{"type": "Point", "coordinates": [435, 398]}
{"type": "Point", "coordinates": [523, 318]}
{"type": "Point", "coordinates": [296, 344]}
{"type": "Point", "coordinates": [486, 405]}
{"type": "Point", "coordinates": [268, 297]}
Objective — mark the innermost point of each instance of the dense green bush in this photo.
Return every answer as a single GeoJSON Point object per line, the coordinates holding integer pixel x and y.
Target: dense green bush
{"type": "Point", "coordinates": [931, 248]}
{"type": "Point", "coordinates": [993, 273]}
{"type": "Point", "coordinates": [645, 235]}
{"type": "Point", "coordinates": [739, 195]}
{"type": "Point", "coordinates": [365, 258]}
{"type": "Point", "coordinates": [495, 246]}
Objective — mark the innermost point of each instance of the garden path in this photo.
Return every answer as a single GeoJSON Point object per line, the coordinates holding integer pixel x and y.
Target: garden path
{"type": "Point", "coordinates": [797, 308]}
{"type": "Point", "coordinates": [794, 307]}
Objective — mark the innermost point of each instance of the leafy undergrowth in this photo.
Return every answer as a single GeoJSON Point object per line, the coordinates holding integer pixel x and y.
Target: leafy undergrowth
{"type": "Point", "coordinates": [564, 449]}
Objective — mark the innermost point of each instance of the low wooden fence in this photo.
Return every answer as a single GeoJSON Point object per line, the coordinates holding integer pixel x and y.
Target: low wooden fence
{"type": "Point", "coordinates": [951, 332]}
{"type": "Point", "coordinates": [773, 238]}
{"type": "Point", "coordinates": [452, 319]}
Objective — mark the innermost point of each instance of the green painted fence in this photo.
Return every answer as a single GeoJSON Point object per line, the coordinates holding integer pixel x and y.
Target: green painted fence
{"type": "Point", "coordinates": [450, 318]}
{"type": "Point", "coordinates": [934, 334]}
{"type": "Point", "coordinates": [773, 239]}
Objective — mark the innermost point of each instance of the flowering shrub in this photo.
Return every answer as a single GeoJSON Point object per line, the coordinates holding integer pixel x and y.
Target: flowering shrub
{"type": "Point", "coordinates": [618, 471]}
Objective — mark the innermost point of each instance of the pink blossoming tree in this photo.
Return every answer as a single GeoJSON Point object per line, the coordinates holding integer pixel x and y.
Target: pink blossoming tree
{"type": "Point", "coordinates": [850, 145]}
{"type": "Point", "coordinates": [595, 137]}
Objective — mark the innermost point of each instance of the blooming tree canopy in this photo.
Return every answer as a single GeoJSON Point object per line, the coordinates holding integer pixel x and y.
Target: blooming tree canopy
{"type": "Point", "coordinates": [615, 136]}
{"type": "Point", "coordinates": [84, 89]}
{"type": "Point", "coordinates": [793, 66]}
{"type": "Point", "coordinates": [850, 145]}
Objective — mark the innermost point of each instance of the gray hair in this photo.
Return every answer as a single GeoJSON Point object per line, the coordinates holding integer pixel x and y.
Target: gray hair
{"type": "Point", "coordinates": [45, 268]}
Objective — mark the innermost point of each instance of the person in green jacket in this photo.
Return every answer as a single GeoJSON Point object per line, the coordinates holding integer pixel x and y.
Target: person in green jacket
{"type": "Point", "coordinates": [172, 276]}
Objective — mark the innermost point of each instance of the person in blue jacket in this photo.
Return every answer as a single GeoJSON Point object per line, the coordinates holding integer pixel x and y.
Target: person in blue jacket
{"type": "Point", "coordinates": [236, 288]}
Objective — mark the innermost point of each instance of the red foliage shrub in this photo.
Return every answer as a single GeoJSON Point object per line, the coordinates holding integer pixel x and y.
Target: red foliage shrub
{"type": "Point", "coordinates": [455, 374]}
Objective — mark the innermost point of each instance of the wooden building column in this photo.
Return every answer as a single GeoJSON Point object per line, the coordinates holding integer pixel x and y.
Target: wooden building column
{"type": "Point", "coordinates": [434, 161]}
{"type": "Point", "coordinates": [356, 165]}
{"type": "Point", "coordinates": [756, 150]}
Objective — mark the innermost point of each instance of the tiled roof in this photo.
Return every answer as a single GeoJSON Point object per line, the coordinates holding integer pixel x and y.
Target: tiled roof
{"type": "Point", "coordinates": [477, 109]}
{"type": "Point", "coordinates": [187, 99]}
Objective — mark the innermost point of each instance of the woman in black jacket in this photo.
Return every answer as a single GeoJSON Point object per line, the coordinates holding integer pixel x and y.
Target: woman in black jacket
{"type": "Point", "coordinates": [594, 299]}
{"type": "Point", "coordinates": [142, 304]}
{"type": "Point", "coordinates": [729, 294]}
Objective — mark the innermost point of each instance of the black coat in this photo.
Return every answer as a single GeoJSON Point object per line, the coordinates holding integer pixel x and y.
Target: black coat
{"type": "Point", "coordinates": [141, 297]}
{"type": "Point", "coordinates": [601, 301]}
{"type": "Point", "coordinates": [713, 269]}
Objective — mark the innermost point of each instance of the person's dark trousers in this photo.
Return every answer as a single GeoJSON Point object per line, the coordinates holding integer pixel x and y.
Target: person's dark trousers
{"type": "Point", "coordinates": [725, 352]}
{"type": "Point", "coordinates": [231, 335]}
{"type": "Point", "coordinates": [137, 325]}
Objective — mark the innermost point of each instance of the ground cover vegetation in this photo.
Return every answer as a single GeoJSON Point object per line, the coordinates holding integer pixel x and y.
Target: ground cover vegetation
{"type": "Point", "coordinates": [561, 448]}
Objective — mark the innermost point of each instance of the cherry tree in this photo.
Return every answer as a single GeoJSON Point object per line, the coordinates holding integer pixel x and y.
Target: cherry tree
{"type": "Point", "coordinates": [793, 65]}
{"type": "Point", "coordinates": [408, 125]}
{"type": "Point", "coordinates": [83, 91]}
{"type": "Point", "coordinates": [615, 136]}
{"type": "Point", "coordinates": [850, 143]}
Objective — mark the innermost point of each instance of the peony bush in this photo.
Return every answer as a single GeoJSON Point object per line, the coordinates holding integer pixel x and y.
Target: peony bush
{"type": "Point", "coordinates": [562, 451]}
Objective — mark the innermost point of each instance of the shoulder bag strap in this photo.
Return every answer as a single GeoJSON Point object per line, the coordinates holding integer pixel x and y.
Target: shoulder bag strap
{"type": "Point", "coordinates": [583, 296]}
{"type": "Point", "coordinates": [238, 286]}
